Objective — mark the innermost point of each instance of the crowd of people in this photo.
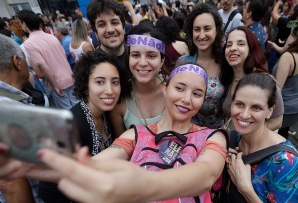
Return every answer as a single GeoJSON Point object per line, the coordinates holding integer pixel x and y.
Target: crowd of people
{"type": "Point", "coordinates": [150, 88]}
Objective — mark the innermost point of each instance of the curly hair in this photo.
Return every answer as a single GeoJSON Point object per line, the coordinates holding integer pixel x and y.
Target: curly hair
{"type": "Point", "coordinates": [169, 28]}
{"type": "Point", "coordinates": [217, 44]}
{"type": "Point", "coordinates": [17, 29]}
{"type": "Point", "coordinates": [84, 68]}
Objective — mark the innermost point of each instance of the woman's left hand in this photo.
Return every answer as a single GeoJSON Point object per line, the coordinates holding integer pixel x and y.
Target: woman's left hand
{"type": "Point", "coordinates": [240, 174]}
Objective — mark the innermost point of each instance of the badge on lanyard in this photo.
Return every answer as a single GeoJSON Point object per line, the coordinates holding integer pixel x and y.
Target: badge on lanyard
{"type": "Point", "coordinates": [169, 151]}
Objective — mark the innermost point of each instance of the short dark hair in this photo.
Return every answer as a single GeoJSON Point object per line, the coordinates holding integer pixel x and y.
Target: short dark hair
{"type": "Point", "coordinates": [179, 17]}
{"type": "Point", "coordinates": [84, 68]}
{"type": "Point", "coordinates": [169, 28]}
{"type": "Point", "coordinates": [294, 16]}
{"type": "Point", "coordinates": [263, 81]}
{"type": "Point", "coordinates": [6, 32]}
{"type": "Point", "coordinates": [144, 8]}
{"type": "Point", "coordinates": [98, 7]}
{"type": "Point", "coordinates": [217, 44]}
{"type": "Point", "coordinates": [258, 9]}
{"type": "Point", "coordinates": [2, 24]}
{"type": "Point", "coordinates": [255, 61]}
{"type": "Point", "coordinates": [30, 18]}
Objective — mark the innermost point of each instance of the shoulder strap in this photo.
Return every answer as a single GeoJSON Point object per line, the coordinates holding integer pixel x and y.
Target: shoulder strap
{"type": "Point", "coordinates": [233, 138]}
{"type": "Point", "coordinates": [231, 16]}
{"type": "Point", "coordinates": [223, 132]}
{"type": "Point", "coordinates": [294, 64]}
{"type": "Point", "coordinates": [261, 154]}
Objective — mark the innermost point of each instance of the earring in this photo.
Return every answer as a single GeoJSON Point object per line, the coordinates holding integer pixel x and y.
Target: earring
{"type": "Point", "coordinates": [268, 116]}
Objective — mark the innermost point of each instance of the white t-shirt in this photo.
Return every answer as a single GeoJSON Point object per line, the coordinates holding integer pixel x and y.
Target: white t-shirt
{"type": "Point", "coordinates": [235, 22]}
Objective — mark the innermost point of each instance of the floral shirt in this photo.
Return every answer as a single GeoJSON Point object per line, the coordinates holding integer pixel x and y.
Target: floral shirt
{"type": "Point", "coordinates": [275, 179]}
{"type": "Point", "coordinates": [213, 100]}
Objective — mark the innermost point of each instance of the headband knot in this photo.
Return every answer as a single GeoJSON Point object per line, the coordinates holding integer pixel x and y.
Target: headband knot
{"type": "Point", "coordinates": [144, 40]}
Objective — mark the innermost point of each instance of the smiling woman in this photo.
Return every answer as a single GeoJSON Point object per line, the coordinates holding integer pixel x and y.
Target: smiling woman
{"type": "Point", "coordinates": [271, 179]}
{"type": "Point", "coordinates": [145, 60]}
{"type": "Point", "coordinates": [100, 84]}
{"type": "Point", "coordinates": [190, 153]}
{"type": "Point", "coordinates": [204, 31]}
{"type": "Point", "coordinates": [238, 61]}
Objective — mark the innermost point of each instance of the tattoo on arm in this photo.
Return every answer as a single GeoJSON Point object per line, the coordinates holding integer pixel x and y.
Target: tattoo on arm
{"type": "Point", "coordinates": [115, 146]}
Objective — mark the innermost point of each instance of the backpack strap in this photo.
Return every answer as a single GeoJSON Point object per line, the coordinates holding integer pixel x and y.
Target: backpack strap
{"type": "Point", "coordinates": [263, 153]}
{"type": "Point", "coordinates": [233, 139]}
{"type": "Point", "coordinates": [223, 132]}
{"type": "Point", "coordinates": [231, 16]}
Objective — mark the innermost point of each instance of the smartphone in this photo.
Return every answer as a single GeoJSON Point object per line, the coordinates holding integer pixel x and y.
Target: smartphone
{"type": "Point", "coordinates": [26, 129]}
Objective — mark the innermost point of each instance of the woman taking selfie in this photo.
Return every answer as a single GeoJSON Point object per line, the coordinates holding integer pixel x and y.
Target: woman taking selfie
{"type": "Point", "coordinates": [198, 155]}
{"type": "Point", "coordinates": [272, 179]}
{"type": "Point", "coordinates": [243, 55]}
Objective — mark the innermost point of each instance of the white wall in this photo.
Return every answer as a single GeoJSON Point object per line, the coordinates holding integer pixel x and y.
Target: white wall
{"type": "Point", "coordinates": [3, 10]}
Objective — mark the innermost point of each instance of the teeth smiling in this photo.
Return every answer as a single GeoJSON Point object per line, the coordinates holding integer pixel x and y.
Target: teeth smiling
{"type": "Point", "coordinates": [234, 56]}
{"type": "Point", "coordinates": [143, 71]}
{"type": "Point", "coordinates": [243, 123]}
{"type": "Point", "coordinates": [108, 101]}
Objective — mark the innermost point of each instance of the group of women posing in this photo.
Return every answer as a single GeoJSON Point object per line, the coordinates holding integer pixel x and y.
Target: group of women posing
{"type": "Point", "coordinates": [169, 114]}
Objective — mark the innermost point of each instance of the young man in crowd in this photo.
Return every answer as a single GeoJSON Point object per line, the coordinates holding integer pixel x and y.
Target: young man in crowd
{"type": "Point", "coordinates": [107, 21]}
{"type": "Point", "coordinates": [47, 53]}
{"type": "Point", "coordinates": [253, 12]}
{"type": "Point", "coordinates": [225, 12]}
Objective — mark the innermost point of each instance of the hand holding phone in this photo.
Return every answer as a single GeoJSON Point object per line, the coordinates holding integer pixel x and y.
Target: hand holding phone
{"type": "Point", "coordinates": [26, 129]}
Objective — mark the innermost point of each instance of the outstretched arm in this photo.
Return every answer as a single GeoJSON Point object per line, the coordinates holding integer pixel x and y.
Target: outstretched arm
{"type": "Point", "coordinates": [114, 181]}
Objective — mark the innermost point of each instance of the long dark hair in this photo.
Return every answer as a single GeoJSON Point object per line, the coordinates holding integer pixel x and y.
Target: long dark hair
{"type": "Point", "coordinates": [217, 44]}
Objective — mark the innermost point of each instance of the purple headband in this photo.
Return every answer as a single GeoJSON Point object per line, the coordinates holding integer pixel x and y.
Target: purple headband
{"type": "Point", "coordinates": [190, 68]}
{"type": "Point", "coordinates": [144, 40]}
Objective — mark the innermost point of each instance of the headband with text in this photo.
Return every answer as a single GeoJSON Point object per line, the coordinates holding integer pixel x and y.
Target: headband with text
{"type": "Point", "coordinates": [144, 40]}
{"type": "Point", "coordinates": [192, 69]}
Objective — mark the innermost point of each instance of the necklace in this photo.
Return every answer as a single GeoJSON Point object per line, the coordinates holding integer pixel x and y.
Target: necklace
{"type": "Point", "coordinates": [140, 108]}
{"type": "Point", "coordinates": [138, 104]}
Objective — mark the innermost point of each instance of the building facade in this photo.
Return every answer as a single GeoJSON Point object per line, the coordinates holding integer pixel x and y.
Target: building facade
{"type": "Point", "coordinates": [9, 8]}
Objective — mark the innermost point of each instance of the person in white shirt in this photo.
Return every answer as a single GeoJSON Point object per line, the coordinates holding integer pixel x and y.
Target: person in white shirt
{"type": "Point", "coordinates": [226, 9]}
